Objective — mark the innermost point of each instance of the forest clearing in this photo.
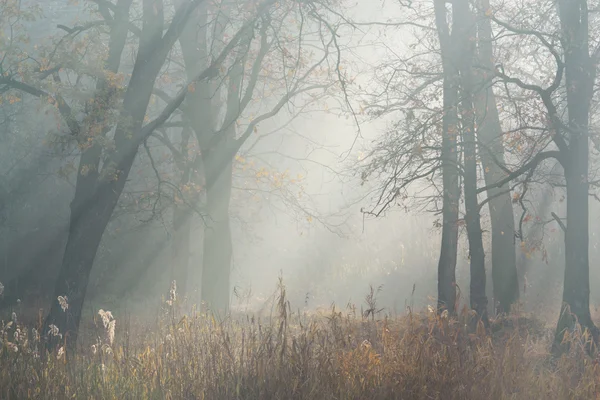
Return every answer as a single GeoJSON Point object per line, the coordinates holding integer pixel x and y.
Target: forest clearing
{"type": "Point", "coordinates": [421, 175]}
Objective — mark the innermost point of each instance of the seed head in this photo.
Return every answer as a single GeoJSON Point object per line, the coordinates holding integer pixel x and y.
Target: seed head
{"type": "Point", "coordinates": [63, 301]}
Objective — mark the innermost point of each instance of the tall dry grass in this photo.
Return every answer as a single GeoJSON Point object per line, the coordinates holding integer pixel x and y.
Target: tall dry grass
{"type": "Point", "coordinates": [338, 354]}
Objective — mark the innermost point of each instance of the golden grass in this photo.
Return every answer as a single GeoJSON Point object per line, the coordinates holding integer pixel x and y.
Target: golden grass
{"type": "Point", "coordinates": [333, 355]}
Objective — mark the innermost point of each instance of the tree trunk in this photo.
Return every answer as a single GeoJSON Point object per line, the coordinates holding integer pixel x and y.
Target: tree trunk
{"type": "Point", "coordinates": [489, 134]}
{"type": "Point", "coordinates": [90, 209]}
{"type": "Point", "coordinates": [203, 105]}
{"type": "Point", "coordinates": [95, 199]}
{"type": "Point", "coordinates": [180, 249]}
{"type": "Point", "coordinates": [580, 79]}
{"type": "Point", "coordinates": [182, 226]}
{"type": "Point", "coordinates": [449, 156]}
{"type": "Point", "coordinates": [466, 35]}
{"type": "Point", "coordinates": [87, 224]}
{"type": "Point", "coordinates": [576, 284]}
{"type": "Point", "coordinates": [218, 248]}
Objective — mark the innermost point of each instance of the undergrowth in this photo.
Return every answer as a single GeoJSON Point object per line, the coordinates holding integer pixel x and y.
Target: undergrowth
{"type": "Point", "coordinates": [338, 354]}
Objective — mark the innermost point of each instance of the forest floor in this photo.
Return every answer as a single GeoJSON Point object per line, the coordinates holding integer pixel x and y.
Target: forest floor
{"type": "Point", "coordinates": [337, 354]}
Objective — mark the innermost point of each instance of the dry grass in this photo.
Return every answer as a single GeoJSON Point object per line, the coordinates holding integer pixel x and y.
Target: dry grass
{"type": "Point", "coordinates": [333, 355]}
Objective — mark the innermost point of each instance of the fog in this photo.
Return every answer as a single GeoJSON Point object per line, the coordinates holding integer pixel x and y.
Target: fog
{"type": "Point", "coordinates": [299, 199]}
{"type": "Point", "coordinates": [315, 229]}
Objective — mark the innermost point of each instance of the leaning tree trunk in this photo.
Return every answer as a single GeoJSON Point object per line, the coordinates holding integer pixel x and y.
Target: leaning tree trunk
{"type": "Point", "coordinates": [94, 204]}
{"type": "Point", "coordinates": [466, 40]}
{"type": "Point", "coordinates": [88, 221]}
{"type": "Point", "coordinates": [489, 133]}
{"type": "Point", "coordinates": [91, 208]}
{"type": "Point", "coordinates": [580, 79]}
{"type": "Point", "coordinates": [449, 156]}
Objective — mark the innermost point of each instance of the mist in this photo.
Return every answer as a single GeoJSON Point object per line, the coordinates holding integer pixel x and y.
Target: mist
{"type": "Point", "coordinates": [222, 174]}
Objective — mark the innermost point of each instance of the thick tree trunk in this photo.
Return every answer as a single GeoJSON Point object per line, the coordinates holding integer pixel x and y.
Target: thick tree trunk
{"type": "Point", "coordinates": [489, 133]}
{"type": "Point", "coordinates": [203, 105]}
{"type": "Point", "coordinates": [95, 199]}
{"type": "Point", "coordinates": [91, 207]}
{"type": "Point", "coordinates": [218, 247]}
{"type": "Point", "coordinates": [88, 222]}
{"type": "Point", "coordinates": [576, 285]}
{"type": "Point", "coordinates": [449, 155]}
{"type": "Point", "coordinates": [580, 79]}
{"type": "Point", "coordinates": [466, 39]}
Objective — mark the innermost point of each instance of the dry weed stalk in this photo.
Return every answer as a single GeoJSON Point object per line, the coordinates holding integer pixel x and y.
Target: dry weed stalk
{"type": "Point", "coordinates": [301, 355]}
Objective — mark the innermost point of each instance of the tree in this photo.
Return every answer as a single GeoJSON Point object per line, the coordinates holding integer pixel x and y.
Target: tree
{"type": "Point", "coordinates": [116, 117]}
{"type": "Point", "coordinates": [253, 72]}
{"type": "Point", "coordinates": [418, 155]}
{"type": "Point", "coordinates": [98, 190]}
{"type": "Point", "coordinates": [102, 171]}
{"type": "Point", "coordinates": [491, 152]}
{"type": "Point", "coordinates": [580, 77]}
{"type": "Point", "coordinates": [449, 156]}
{"type": "Point", "coordinates": [465, 32]}
{"type": "Point", "coordinates": [572, 83]}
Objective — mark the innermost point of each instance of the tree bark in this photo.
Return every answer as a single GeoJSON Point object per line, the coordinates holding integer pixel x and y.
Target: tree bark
{"type": "Point", "coordinates": [87, 224]}
{"type": "Point", "coordinates": [218, 246]}
{"type": "Point", "coordinates": [580, 79]}
{"type": "Point", "coordinates": [88, 218]}
{"type": "Point", "coordinates": [489, 133]}
{"type": "Point", "coordinates": [202, 105]}
{"type": "Point", "coordinates": [95, 199]}
{"type": "Point", "coordinates": [217, 159]}
{"type": "Point", "coordinates": [180, 249]}
{"type": "Point", "coordinates": [466, 40]}
{"type": "Point", "coordinates": [449, 156]}
{"type": "Point", "coordinates": [183, 214]}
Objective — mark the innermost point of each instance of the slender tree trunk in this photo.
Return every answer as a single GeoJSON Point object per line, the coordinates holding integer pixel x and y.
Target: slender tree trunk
{"type": "Point", "coordinates": [489, 134]}
{"type": "Point", "coordinates": [183, 217]}
{"type": "Point", "coordinates": [180, 249]}
{"type": "Point", "coordinates": [580, 79]}
{"type": "Point", "coordinates": [449, 155]}
{"type": "Point", "coordinates": [535, 230]}
{"type": "Point", "coordinates": [466, 39]}
{"type": "Point", "coordinates": [182, 227]}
